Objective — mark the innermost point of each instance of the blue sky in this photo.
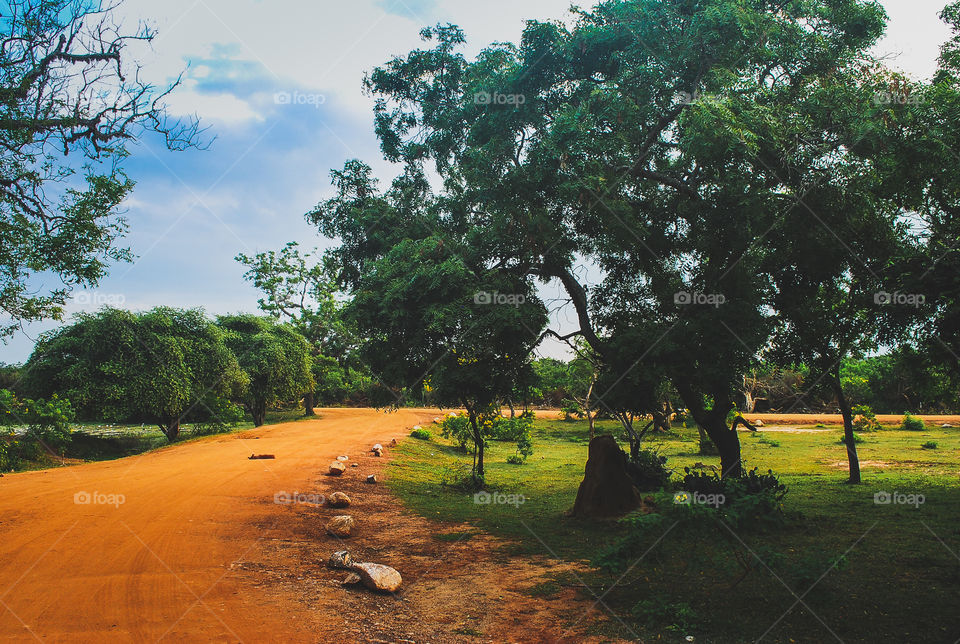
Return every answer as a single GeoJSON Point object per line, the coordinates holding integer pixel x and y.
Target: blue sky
{"type": "Point", "coordinates": [192, 212]}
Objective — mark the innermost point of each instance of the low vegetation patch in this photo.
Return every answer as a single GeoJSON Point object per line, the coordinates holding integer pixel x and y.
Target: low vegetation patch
{"type": "Point", "coordinates": [676, 568]}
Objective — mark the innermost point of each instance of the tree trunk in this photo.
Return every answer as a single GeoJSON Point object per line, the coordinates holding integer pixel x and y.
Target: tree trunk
{"type": "Point", "coordinates": [477, 444]}
{"type": "Point", "coordinates": [259, 412]}
{"type": "Point", "coordinates": [847, 414]}
{"type": "Point", "coordinates": [513, 413]}
{"type": "Point", "coordinates": [171, 429]}
{"type": "Point", "coordinates": [714, 423]}
{"type": "Point", "coordinates": [308, 403]}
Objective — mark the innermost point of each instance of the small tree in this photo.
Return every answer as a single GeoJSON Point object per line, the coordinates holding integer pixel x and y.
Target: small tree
{"type": "Point", "coordinates": [275, 358]}
{"type": "Point", "coordinates": [165, 366]}
{"type": "Point", "coordinates": [430, 298]}
{"type": "Point", "coordinates": [300, 288]}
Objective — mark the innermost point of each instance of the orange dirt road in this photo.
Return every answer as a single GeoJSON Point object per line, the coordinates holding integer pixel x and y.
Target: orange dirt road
{"type": "Point", "coordinates": [157, 566]}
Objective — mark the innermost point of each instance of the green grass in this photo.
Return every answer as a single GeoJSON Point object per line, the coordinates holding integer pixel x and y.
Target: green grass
{"type": "Point", "coordinates": [884, 571]}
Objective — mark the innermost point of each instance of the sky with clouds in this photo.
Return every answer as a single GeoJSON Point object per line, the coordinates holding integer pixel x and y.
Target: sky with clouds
{"type": "Point", "coordinates": [278, 83]}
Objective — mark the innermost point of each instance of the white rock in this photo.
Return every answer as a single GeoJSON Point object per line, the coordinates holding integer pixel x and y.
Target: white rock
{"type": "Point", "coordinates": [378, 577]}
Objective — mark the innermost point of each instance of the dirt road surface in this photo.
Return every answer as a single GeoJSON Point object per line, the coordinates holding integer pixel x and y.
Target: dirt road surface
{"type": "Point", "coordinates": [186, 544]}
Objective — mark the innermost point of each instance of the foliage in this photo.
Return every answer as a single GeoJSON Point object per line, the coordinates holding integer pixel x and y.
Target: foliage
{"type": "Point", "coordinates": [275, 358]}
{"type": "Point", "coordinates": [648, 470]}
{"type": "Point", "coordinates": [654, 612]}
{"type": "Point", "coordinates": [929, 445]}
{"type": "Point", "coordinates": [457, 427]}
{"type": "Point", "coordinates": [912, 423]}
{"type": "Point", "coordinates": [864, 420]}
{"type": "Point", "coordinates": [165, 366]}
{"type": "Point", "coordinates": [492, 426]}
{"type": "Point", "coordinates": [71, 101]}
{"type": "Point", "coordinates": [421, 433]}
{"type": "Point", "coordinates": [47, 424]}
{"type": "Point", "coordinates": [857, 439]}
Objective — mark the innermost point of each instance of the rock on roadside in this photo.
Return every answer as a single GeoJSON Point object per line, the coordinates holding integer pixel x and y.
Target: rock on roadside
{"type": "Point", "coordinates": [378, 577]}
{"type": "Point", "coordinates": [341, 560]}
{"type": "Point", "coordinates": [338, 500]}
{"type": "Point", "coordinates": [337, 468]}
{"type": "Point", "coordinates": [340, 525]}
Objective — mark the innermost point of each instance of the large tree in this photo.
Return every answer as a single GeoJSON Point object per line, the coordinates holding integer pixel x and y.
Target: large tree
{"type": "Point", "coordinates": [70, 102]}
{"type": "Point", "coordinates": [275, 358]}
{"type": "Point", "coordinates": [164, 366]}
{"type": "Point", "coordinates": [635, 140]}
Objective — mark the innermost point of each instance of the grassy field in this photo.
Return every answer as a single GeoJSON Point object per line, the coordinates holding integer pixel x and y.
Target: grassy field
{"type": "Point", "coordinates": [838, 567]}
{"type": "Point", "coordinates": [91, 441]}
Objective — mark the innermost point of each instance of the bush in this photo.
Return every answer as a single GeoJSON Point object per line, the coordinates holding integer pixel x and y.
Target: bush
{"type": "Point", "coordinates": [912, 423]}
{"type": "Point", "coordinates": [659, 610]}
{"type": "Point", "coordinates": [457, 428]}
{"type": "Point", "coordinates": [648, 470]}
{"type": "Point", "coordinates": [420, 433]}
{"type": "Point", "coordinates": [857, 439]}
{"type": "Point", "coordinates": [752, 498]}
{"type": "Point", "coordinates": [571, 410]}
{"type": "Point", "coordinates": [514, 459]}
{"type": "Point", "coordinates": [460, 477]}
{"type": "Point", "coordinates": [929, 445]}
{"type": "Point", "coordinates": [864, 420]}
{"type": "Point", "coordinates": [769, 441]}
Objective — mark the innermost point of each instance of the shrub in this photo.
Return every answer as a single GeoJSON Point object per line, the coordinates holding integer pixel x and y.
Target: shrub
{"type": "Point", "coordinates": [752, 498]}
{"type": "Point", "coordinates": [864, 420]}
{"type": "Point", "coordinates": [912, 423]}
{"type": "Point", "coordinates": [929, 445]}
{"type": "Point", "coordinates": [571, 410]}
{"type": "Point", "coordinates": [857, 439]}
{"type": "Point", "coordinates": [460, 477]}
{"type": "Point", "coordinates": [457, 428]}
{"type": "Point", "coordinates": [514, 459]}
{"type": "Point", "coordinates": [420, 433]}
{"type": "Point", "coordinates": [769, 441]}
{"type": "Point", "coordinates": [659, 610]}
{"type": "Point", "coordinates": [648, 470]}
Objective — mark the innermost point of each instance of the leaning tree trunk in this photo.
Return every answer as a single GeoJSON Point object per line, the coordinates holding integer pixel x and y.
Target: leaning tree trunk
{"type": "Point", "coordinates": [308, 403]}
{"type": "Point", "coordinates": [848, 439]}
{"type": "Point", "coordinates": [714, 423]}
